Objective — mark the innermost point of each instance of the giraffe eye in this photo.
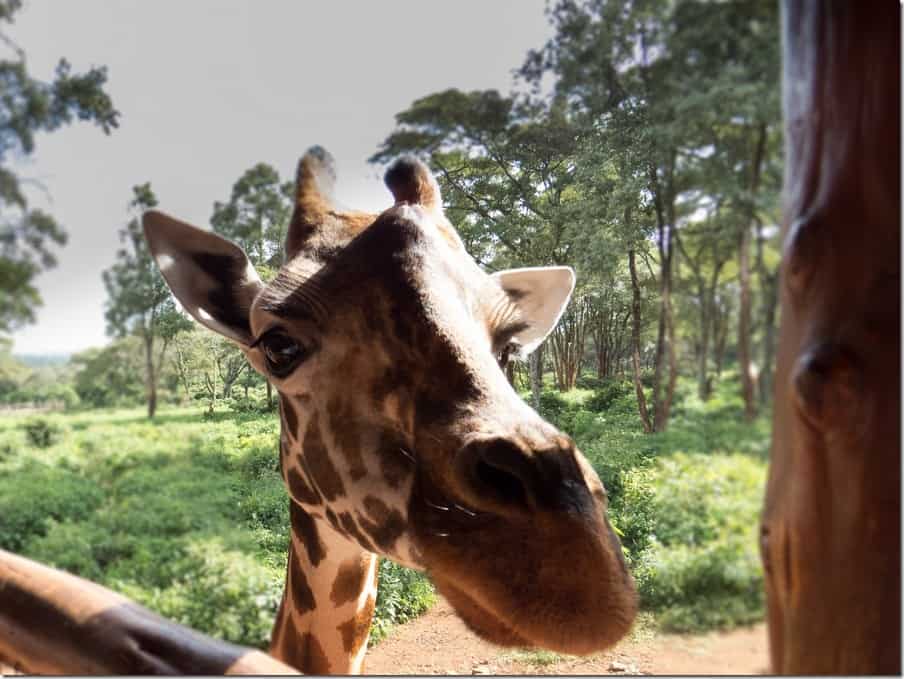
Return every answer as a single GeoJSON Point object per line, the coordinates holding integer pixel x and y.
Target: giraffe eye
{"type": "Point", "coordinates": [282, 352]}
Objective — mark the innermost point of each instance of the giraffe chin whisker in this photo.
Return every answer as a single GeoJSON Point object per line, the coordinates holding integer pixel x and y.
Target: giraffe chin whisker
{"type": "Point", "coordinates": [466, 511]}
{"type": "Point", "coordinates": [408, 455]}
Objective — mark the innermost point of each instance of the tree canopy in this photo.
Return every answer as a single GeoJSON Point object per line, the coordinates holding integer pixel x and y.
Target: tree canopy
{"type": "Point", "coordinates": [28, 106]}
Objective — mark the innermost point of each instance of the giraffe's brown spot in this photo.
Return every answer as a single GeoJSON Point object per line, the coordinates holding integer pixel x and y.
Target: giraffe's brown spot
{"type": "Point", "coordinates": [315, 659]}
{"type": "Point", "coordinates": [299, 488]}
{"type": "Point", "coordinates": [394, 465]}
{"type": "Point", "coordinates": [334, 521]}
{"type": "Point", "coordinates": [350, 580]}
{"type": "Point", "coordinates": [347, 437]}
{"type": "Point", "coordinates": [355, 631]}
{"type": "Point", "coordinates": [304, 527]}
{"type": "Point", "coordinates": [285, 644]}
{"type": "Point", "coordinates": [289, 418]}
{"type": "Point", "coordinates": [384, 525]}
{"type": "Point", "coordinates": [352, 530]}
{"type": "Point", "coordinates": [297, 586]}
{"type": "Point", "coordinates": [388, 382]}
{"type": "Point", "coordinates": [319, 464]}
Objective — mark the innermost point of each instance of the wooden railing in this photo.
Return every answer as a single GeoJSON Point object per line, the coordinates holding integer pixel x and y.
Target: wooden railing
{"type": "Point", "coordinates": [52, 622]}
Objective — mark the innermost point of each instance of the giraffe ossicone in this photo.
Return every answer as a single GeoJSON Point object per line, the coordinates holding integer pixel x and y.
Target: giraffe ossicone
{"type": "Point", "coordinates": [401, 436]}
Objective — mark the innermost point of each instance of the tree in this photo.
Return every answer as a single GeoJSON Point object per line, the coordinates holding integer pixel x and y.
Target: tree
{"type": "Point", "coordinates": [139, 301]}
{"type": "Point", "coordinates": [256, 216]}
{"type": "Point", "coordinates": [27, 107]}
{"type": "Point", "coordinates": [663, 91]}
{"type": "Point", "coordinates": [111, 375]}
{"type": "Point", "coordinates": [505, 168]}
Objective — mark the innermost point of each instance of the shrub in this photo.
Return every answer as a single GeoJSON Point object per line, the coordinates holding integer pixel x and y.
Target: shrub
{"type": "Point", "coordinates": [694, 588]}
{"type": "Point", "coordinates": [402, 595]}
{"type": "Point", "coordinates": [552, 405]}
{"type": "Point", "coordinates": [36, 493]}
{"type": "Point", "coordinates": [42, 433]}
{"type": "Point", "coordinates": [688, 523]}
{"type": "Point", "coordinates": [605, 395]}
{"type": "Point", "coordinates": [71, 546]}
{"type": "Point", "coordinates": [219, 591]}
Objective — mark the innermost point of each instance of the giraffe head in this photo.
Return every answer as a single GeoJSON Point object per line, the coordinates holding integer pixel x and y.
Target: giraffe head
{"type": "Point", "coordinates": [385, 341]}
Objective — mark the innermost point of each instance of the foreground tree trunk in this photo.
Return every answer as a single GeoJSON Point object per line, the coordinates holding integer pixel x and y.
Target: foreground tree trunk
{"type": "Point", "coordinates": [831, 530]}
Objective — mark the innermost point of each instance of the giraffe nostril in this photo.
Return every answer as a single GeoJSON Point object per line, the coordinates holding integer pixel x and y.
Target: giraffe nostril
{"type": "Point", "coordinates": [499, 473]}
{"type": "Point", "coordinates": [504, 485]}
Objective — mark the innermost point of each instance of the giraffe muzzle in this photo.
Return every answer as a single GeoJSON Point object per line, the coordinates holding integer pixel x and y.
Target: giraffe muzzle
{"type": "Point", "coordinates": [504, 476]}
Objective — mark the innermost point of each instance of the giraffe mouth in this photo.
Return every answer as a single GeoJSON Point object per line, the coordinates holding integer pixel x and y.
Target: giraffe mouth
{"type": "Point", "coordinates": [479, 619]}
{"type": "Point", "coordinates": [442, 517]}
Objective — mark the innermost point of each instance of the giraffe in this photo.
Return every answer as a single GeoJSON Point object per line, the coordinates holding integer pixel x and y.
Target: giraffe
{"type": "Point", "coordinates": [400, 435]}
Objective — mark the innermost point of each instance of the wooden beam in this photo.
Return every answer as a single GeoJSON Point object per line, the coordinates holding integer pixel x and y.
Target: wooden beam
{"type": "Point", "coordinates": [831, 531]}
{"type": "Point", "coordinates": [52, 622]}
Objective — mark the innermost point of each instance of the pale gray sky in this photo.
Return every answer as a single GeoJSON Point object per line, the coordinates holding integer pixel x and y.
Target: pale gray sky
{"type": "Point", "coordinates": [208, 88]}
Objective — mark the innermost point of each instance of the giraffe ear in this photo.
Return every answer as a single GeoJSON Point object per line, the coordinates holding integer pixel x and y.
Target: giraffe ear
{"type": "Point", "coordinates": [541, 294]}
{"type": "Point", "coordinates": [209, 275]}
{"type": "Point", "coordinates": [410, 181]}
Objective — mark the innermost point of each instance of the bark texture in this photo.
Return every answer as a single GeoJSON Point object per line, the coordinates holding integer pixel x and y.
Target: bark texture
{"type": "Point", "coordinates": [831, 532]}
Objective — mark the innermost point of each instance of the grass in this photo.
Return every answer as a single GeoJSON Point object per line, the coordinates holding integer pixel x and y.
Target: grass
{"type": "Point", "coordinates": [187, 514]}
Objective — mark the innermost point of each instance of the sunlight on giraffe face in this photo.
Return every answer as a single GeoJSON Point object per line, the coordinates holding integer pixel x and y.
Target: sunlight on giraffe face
{"type": "Point", "coordinates": [400, 431]}
{"type": "Point", "coordinates": [389, 356]}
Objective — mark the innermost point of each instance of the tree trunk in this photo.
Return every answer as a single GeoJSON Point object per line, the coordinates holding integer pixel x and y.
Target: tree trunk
{"type": "Point", "coordinates": [744, 367]}
{"type": "Point", "coordinates": [831, 528]}
{"type": "Point", "coordinates": [535, 367]}
{"type": "Point", "coordinates": [269, 395]}
{"type": "Point", "coordinates": [720, 334]}
{"type": "Point", "coordinates": [635, 346]}
{"type": "Point", "coordinates": [150, 377]}
{"type": "Point", "coordinates": [748, 387]}
{"type": "Point", "coordinates": [769, 288]}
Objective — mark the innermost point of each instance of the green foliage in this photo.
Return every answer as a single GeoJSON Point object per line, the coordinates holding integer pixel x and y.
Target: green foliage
{"type": "Point", "coordinates": [110, 376]}
{"type": "Point", "coordinates": [228, 594]}
{"type": "Point", "coordinates": [687, 520]}
{"type": "Point", "coordinates": [36, 494]}
{"type": "Point", "coordinates": [256, 217]}
{"type": "Point", "coordinates": [186, 515]}
{"type": "Point", "coordinates": [28, 106]}
{"type": "Point", "coordinates": [138, 300]}
{"type": "Point", "coordinates": [42, 433]}
{"type": "Point", "coordinates": [403, 594]}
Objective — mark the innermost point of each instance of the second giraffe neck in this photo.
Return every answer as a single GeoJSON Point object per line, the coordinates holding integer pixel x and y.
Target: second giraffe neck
{"type": "Point", "coordinates": [324, 619]}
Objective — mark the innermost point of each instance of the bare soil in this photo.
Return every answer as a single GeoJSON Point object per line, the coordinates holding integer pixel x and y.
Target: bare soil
{"type": "Point", "coordinates": [439, 643]}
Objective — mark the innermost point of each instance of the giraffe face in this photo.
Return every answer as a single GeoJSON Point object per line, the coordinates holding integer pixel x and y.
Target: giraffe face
{"type": "Point", "coordinates": [385, 341]}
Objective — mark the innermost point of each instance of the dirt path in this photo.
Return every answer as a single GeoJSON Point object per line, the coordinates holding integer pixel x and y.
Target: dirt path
{"type": "Point", "coordinates": [439, 643]}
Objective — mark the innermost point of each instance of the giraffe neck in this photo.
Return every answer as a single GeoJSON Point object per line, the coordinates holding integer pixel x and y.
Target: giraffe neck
{"type": "Point", "coordinates": [323, 622]}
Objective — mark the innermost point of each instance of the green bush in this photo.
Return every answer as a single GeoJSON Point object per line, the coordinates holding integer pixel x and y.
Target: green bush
{"type": "Point", "coordinates": [689, 528]}
{"type": "Point", "coordinates": [223, 592]}
{"type": "Point", "coordinates": [42, 433]}
{"type": "Point", "coordinates": [75, 547]}
{"type": "Point", "coordinates": [403, 594]}
{"type": "Point", "coordinates": [607, 393]}
{"type": "Point", "coordinates": [34, 494]}
{"type": "Point", "coordinates": [718, 584]}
